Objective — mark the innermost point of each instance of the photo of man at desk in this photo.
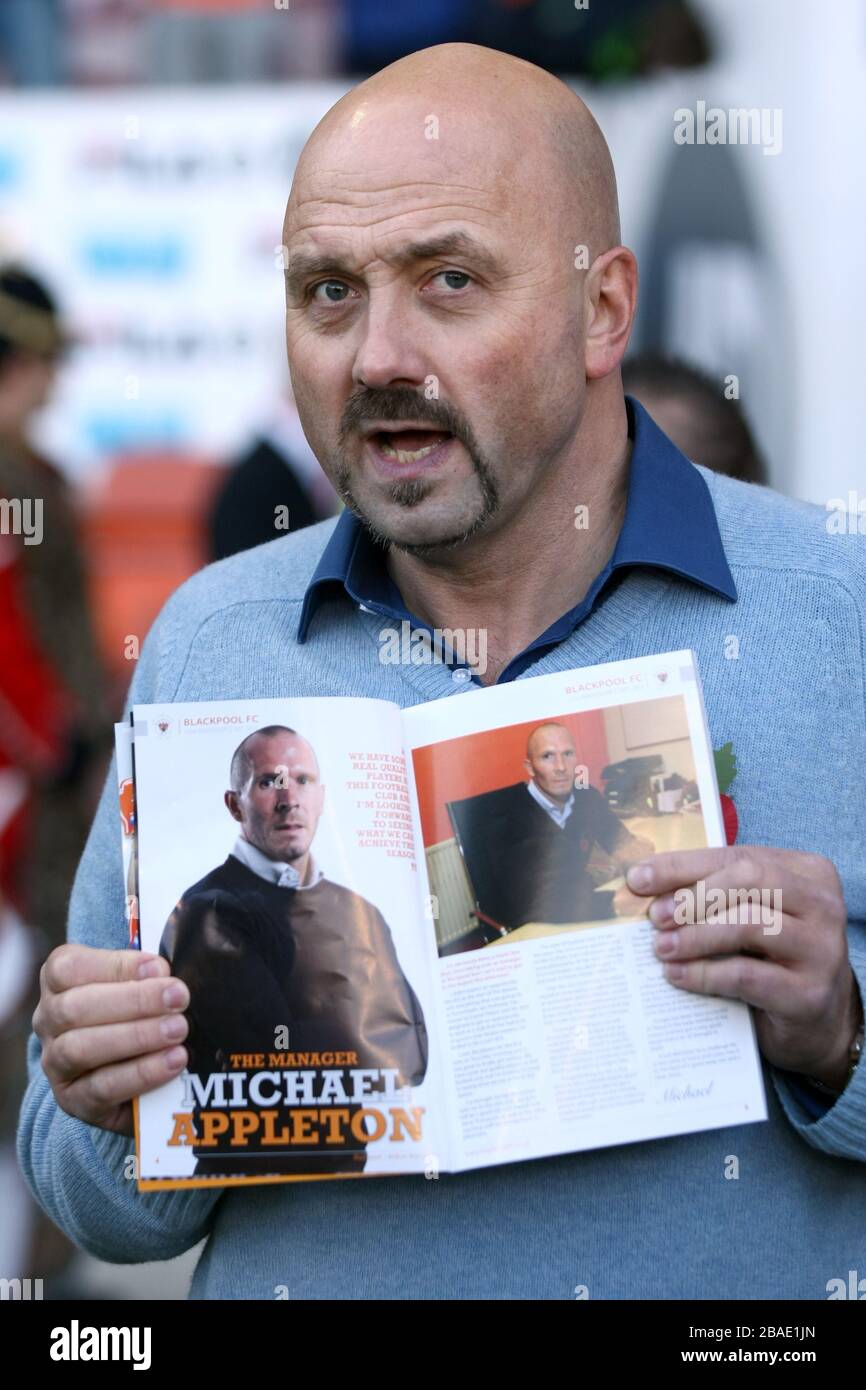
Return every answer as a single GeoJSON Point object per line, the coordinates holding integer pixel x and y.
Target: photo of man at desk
{"type": "Point", "coordinates": [529, 828]}
{"type": "Point", "coordinates": [536, 850]}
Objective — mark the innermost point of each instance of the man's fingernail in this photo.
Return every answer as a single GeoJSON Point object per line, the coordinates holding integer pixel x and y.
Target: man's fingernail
{"type": "Point", "coordinates": [175, 996]}
{"type": "Point", "coordinates": [661, 911]}
{"type": "Point", "coordinates": [674, 973]}
{"type": "Point", "coordinates": [149, 969]}
{"type": "Point", "coordinates": [175, 1058]}
{"type": "Point", "coordinates": [639, 876]}
{"type": "Point", "coordinates": [173, 1027]}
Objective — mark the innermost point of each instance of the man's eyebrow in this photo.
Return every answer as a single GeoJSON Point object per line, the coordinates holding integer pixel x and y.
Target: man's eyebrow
{"type": "Point", "coordinates": [305, 264]}
{"type": "Point", "coordinates": [456, 243]}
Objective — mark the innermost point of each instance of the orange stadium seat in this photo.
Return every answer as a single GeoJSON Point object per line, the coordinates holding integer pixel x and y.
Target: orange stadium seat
{"type": "Point", "coordinates": [144, 532]}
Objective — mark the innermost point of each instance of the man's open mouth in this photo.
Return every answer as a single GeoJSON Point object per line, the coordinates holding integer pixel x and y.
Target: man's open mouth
{"type": "Point", "coordinates": [407, 446]}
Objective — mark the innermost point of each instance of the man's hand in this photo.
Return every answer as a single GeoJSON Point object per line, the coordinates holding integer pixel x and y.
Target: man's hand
{"type": "Point", "coordinates": [785, 951]}
{"type": "Point", "coordinates": [110, 1023]}
{"type": "Point", "coordinates": [628, 851]}
{"type": "Point", "coordinates": [628, 904]}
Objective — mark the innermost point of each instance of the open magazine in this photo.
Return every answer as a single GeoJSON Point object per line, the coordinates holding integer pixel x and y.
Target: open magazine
{"type": "Point", "coordinates": [407, 936]}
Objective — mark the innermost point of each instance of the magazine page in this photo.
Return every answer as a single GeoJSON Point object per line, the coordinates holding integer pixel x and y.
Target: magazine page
{"type": "Point", "coordinates": [560, 1031]}
{"type": "Point", "coordinates": [129, 843]}
{"type": "Point", "coordinates": [277, 873]}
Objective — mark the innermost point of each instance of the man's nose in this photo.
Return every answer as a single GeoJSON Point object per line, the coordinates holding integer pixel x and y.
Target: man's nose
{"type": "Point", "coordinates": [391, 349]}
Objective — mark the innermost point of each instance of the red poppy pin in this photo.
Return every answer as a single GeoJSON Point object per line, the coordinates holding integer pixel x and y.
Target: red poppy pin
{"type": "Point", "coordinates": [726, 771]}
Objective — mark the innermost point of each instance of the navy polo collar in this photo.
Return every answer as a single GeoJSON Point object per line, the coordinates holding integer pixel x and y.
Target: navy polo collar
{"type": "Point", "coordinates": [670, 524]}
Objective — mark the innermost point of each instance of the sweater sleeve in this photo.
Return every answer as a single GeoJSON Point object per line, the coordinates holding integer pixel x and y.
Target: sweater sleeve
{"type": "Point", "coordinates": [841, 1130]}
{"type": "Point", "coordinates": [76, 1172]}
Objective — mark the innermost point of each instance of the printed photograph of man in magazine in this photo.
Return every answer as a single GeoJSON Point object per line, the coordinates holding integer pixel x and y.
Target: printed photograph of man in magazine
{"type": "Point", "coordinates": [271, 949]}
{"type": "Point", "coordinates": [551, 815]}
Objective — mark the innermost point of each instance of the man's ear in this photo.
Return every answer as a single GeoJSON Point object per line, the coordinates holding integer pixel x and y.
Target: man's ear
{"type": "Point", "coordinates": [231, 801]}
{"type": "Point", "coordinates": [611, 302]}
{"type": "Point", "coordinates": [529, 768]}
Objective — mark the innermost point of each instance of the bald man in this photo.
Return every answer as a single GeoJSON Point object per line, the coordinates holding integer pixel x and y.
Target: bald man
{"type": "Point", "coordinates": [527, 847]}
{"type": "Point", "coordinates": [268, 947]}
{"type": "Point", "coordinates": [458, 304]}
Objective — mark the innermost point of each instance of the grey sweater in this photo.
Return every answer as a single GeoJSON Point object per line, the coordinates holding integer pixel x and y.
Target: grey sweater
{"type": "Point", "coordinates": [663, 1219]}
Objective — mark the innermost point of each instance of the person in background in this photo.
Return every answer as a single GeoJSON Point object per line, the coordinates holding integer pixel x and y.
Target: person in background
{"type": "Point", "coordinates": [54, 729]}
{"type": "Point", "coordinates": [691, 408]}
{"type": "Point", "coordinates": [31, 1246]}
{"type": "Point", "coordinates": [50, 704]}
{"type": "Point", "coordinates": [276, 486]}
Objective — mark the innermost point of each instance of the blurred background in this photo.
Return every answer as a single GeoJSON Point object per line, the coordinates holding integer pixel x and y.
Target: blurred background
{"type": "Point", "coordinates": [146, 153]}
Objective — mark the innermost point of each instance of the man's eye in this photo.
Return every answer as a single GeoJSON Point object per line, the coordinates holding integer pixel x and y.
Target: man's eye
{"type": "Point", "coordinates": [454, 274]}
{"type": "Point", "coordinates": [328, 285]}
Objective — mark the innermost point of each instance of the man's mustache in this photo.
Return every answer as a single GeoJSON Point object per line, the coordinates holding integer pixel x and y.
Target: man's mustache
{"type": "Point", "coordinates": [395, 407]}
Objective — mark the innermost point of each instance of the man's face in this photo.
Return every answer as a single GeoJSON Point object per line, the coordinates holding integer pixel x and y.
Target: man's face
{"type": "Point", "coordinates": [26, 384]}
{"type": "Point", "coordinates": [476, 333]}
{"type": "Point", "coordinates": [551, 760]}
{"type": "Point", "coordinates": [281, 800]}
